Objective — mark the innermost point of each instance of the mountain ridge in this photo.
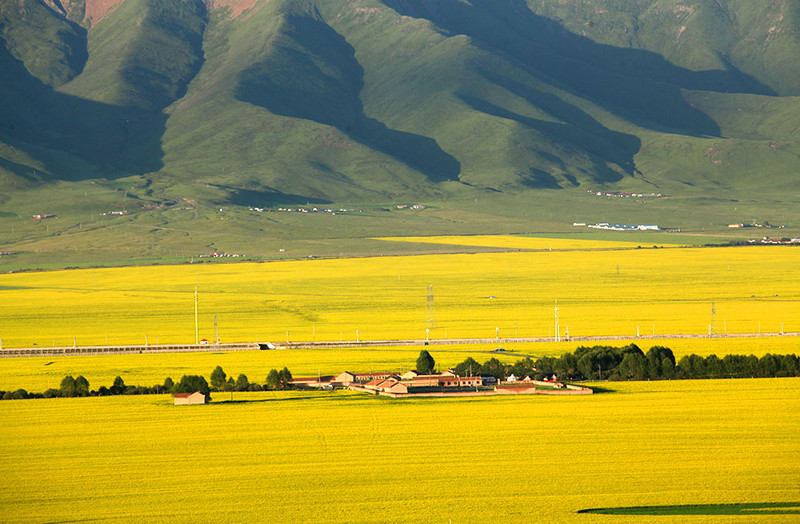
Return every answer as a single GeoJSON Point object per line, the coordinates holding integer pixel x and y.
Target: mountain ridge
{"type": "Point", "coordinates": [270, 102]}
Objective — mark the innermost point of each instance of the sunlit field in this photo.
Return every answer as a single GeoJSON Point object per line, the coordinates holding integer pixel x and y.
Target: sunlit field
{"type": "Point", "coordinates": [344, 457]}
{"type": "Point", "coordinates": [521, 242]}
{"type": "Point", "coordinates": [36, 374]}
{"type": "Point", "coordinates": [606, 292]}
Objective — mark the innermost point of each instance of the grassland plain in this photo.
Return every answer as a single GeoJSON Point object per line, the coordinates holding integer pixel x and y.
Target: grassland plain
{"type": "Point", "coordinates": [343, 457]}
{"type": "Point", "coordinates": [602, 292]}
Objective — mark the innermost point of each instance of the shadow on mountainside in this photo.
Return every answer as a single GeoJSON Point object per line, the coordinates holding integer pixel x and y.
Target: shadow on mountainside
{"type": "Point", "coordinates": [313, 74]}
{"type": "Point", "coordinates": [267, 196]}
{"type": "Point", "coordinates": [118, 139]}
{"type": "Point", "coordinates": [638, 84]}
{"type": "Point", "coordinates": [45, 124]}
{"type": "Point", "coordinates": [575, 129]}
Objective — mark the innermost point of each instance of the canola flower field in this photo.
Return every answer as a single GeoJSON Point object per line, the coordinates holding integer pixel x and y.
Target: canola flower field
{"type": "Point", "coordinates": [712, 446]}
{"type": "Point", "coordinates": [610, 291]}
{"type": "Point", "coordinates": [710, 450]}
{"type": "Point", "coordinates": [37, 374]}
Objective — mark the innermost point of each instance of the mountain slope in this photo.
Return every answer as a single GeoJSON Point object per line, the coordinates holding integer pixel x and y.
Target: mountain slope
{"type": "Point", "coordinates": [261, 102]}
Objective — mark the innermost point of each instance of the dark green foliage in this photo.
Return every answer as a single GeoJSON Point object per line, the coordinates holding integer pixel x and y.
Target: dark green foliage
{"type": "Point", "coordinates": [68, 387]}
{"type": "Point", "coordinates": [425, 363]}
{"type": "Point", "coordinates": [218, 379]}
{"type": "Point", "coordinates": [524, 368]}
{"type": "Point", "coordinates": [230, 385]}
{"type": "Point", "coordinates": [192, 383]}
{"type": "Point", "coordinates": [242, 384]}
{"type": "Point", "coordinates": [118, 388]}
{"type": "Point", "coordinates": [468, 368]}
{"type": "Point", "coordinates": [19, 394]}
{"type": "Point", "coordinates": [52, 393]}
{"type": "Point", "coordinates": [284, 378]}
{"type": "Point", "coordinates": [273, 379]}
{"type": "Point", "coordinates": [81, 386]}
{"type": "Point", "coordinates": [493, 368]}
{"type": "Point", "coordinates": [168, 386]}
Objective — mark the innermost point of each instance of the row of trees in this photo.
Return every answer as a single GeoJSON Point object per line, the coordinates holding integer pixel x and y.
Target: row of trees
{"type": "Point", "coordinates": [631, 363]}
{"type": "Point", "coordinates": [220, 381]}
{"type": "Point", "coordinates": [79, 386]}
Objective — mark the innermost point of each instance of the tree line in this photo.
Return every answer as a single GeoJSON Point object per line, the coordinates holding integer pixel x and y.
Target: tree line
{"type": "Point", "coordinates": [631, 363]}
{"type": "Point", "coordinates": [79, 387]}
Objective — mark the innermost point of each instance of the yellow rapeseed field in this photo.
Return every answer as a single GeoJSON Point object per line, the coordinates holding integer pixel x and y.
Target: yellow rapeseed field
{"type": "Point", "coordinates": [599, 292]}
{"type": "Point", "coordinates": [36, 374]}
{"type": "Point", "coordinates": [344, 457]}
{"type": "Point", "coordinates": [519, 242]}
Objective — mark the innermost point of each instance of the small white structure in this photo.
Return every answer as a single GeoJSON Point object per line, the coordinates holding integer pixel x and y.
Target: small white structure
{"type": "Point", "coordinates": [185, 399]}
{"type": "Point", "coordinates": [512, 378]}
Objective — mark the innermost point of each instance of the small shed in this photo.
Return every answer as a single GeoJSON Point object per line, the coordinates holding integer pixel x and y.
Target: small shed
{"type": "Point", "coordinates": [182, 399]}
{"type": "Point", "coordinates": [408, 375]}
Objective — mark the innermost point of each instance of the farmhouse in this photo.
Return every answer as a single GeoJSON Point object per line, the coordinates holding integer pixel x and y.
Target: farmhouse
{"type": "Point", "coordinates": [182, 399]}
{"type": "Point", "coordinates": [346, 378]}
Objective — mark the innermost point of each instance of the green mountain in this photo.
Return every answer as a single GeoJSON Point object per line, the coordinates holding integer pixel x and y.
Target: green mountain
{"type": "Point", "coordinates": [282, 102]}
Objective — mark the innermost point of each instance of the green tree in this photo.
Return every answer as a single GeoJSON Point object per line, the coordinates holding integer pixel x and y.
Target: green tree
{"type": "Point", "coordinates": [218, 379]}
{"type": "Point", "coordinates": [273, 379]}
{"type": "Point", "coordinates": [169, 385]}
{"type": "Point", "coordinates": [655, 359]}
{"type": "Point", "coordinates": [68, 388]}
{"type": "Point", "coordinates": [667, 369]}
{"type": "Point", "coordinates": [633, 367]}
{"type": "Point", "coordinates": [468, 368]}
{"type": "Point", "coordinates": [285, 378]}
{"type": "Point", "coordinates": [524, 367]}
{"type": "Point", "coordinates": [230, 385]}
{"type": "Point", "coordinates": [565, 367]}
{"type": "Point", "coordinates": [714, 367]}
{"type": "Point", "coordinates": [425, 363]}
{"type": "Point", "coordinates": [118, 388]}
{"type": "Point", "coordinates": [242, 384]}
{"type": "Point", "coordinates": [19, 394]}
{"type": "Point", "coordinates": [81, 386]}
{"type": "Point", "coordinates": [493, 368]}
{"type": "Point", "coordinates": [192, 383]}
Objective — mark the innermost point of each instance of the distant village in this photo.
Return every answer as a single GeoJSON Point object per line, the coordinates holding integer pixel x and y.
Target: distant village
{"type": "Point", "coordinates": [302, 210]}
{"type": "Point", "coordinates": [626, 194]}
{"type": "Point", "coordinates": [619, 227]}
{"type": "Point", "coordinates": [447, 383]}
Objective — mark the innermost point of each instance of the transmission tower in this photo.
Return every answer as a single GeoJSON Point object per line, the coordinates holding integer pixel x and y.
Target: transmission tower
{"type": "Point", "coordinates": [430, 320]}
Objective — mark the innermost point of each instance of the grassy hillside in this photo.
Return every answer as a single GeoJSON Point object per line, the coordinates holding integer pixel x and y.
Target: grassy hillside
{"type": "Point", "coordinates": [499, 114]}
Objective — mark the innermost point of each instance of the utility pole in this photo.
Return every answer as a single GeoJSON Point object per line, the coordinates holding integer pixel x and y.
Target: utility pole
{"type": "Point", "coordinates": [196, 323]}
{"type": "Point", "coordinates": [216, 330]}
{"type": "Point", "coordinates": [558, 335]}
{"type": "Point", "coordinates": [712, 331]}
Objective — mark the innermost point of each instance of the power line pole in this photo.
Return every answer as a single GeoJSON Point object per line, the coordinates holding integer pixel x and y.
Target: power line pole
{"type": "Point", "coordinates": [216, 330]}
{"type": "Point", "coordinates": [713, 328]}
{"type": "Point", "coordinates": [558, 335]}
{"type": "Point", "coordinates": [196, 324]}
